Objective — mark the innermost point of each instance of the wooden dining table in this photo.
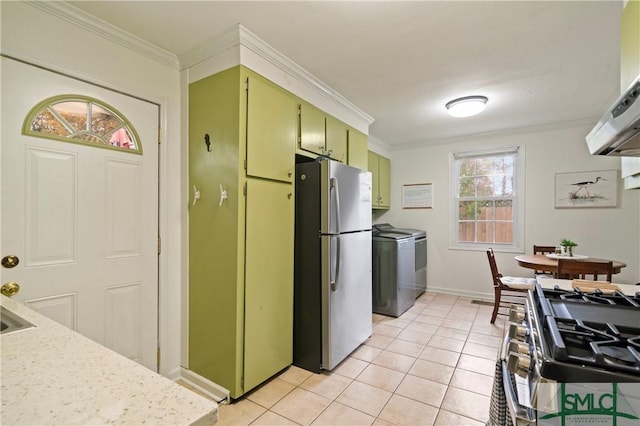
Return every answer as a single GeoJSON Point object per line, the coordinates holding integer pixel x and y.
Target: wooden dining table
{"type": "Point", "coordinates": [541, 262]}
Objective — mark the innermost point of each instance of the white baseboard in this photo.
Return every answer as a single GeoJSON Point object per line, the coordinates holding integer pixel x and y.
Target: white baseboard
{"type": "Point", "coordinates": [456, 292]}
{"type": "Point", "coordinates": [206, 386]}
{"type": "Point", "coordinates": [174, 374]}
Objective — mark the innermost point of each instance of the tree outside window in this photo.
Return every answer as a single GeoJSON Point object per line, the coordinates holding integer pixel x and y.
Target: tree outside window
{"type": "Point", "coordinates": [486, 198]}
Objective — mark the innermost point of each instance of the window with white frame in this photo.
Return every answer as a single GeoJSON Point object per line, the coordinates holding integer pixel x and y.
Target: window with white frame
{"type": "Point", "coordinates": [487, 199]}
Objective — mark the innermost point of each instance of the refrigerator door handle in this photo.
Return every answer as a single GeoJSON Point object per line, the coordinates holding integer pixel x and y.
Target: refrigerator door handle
{"type": "Point", "coordinates": [336, 264]}
{"type": "Point", "coordinates": [335, 197]}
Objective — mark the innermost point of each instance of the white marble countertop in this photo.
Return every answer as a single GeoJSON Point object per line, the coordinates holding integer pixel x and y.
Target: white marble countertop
{"type": "Point", "coordinates": [50, 375]}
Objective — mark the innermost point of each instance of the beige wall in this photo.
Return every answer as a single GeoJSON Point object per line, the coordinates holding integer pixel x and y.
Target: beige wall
{"type": "Point", "coordinates": [605, 232]}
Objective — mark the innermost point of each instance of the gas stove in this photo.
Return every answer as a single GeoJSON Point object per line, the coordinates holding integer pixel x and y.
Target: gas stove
{"type": "Point", "coordinates": [564, 338]}
{"type": "Point", "coordinates": [585, 337]}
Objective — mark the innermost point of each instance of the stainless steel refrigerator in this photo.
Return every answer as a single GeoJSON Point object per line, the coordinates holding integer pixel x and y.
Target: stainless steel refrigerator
{"type": "Point", "coordinates": [332, 274]}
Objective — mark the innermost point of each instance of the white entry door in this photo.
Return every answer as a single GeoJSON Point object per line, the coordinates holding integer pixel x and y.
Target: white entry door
{"type": "Point", "coordinates": [82, 220]}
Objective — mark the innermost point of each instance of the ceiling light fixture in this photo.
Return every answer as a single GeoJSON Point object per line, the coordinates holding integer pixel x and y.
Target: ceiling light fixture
{"type": "Point", "coordinates": [467, 106]}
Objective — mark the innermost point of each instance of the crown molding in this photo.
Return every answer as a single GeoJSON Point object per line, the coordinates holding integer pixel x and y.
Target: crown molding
{"type": "Point", "coordinates": [209, 49]}
{"type": "Point", "coordinates": [277, 59]}
{"type": "Point", "coordinates": [236, 38]}
{"type": "Point", "coordinates": [501, 132]}
{"type": "Point", "coordinates": [82, 19]}
{"type": "Point", "coordinates": [240, 38]}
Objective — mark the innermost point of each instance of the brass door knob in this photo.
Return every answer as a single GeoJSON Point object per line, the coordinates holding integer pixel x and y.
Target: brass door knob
{"type": "Point", "coordinates": [10, 289]}
{"type": "Point", "coordinates": [10, 261]}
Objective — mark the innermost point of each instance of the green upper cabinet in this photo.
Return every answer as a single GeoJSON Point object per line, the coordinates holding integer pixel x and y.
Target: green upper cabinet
{"type": "Point", "coordinates": [380, 168]}
{"type": "Point", "coordinates": [336, 139]}
{"type": "Point", "coordinates": [384, 168]}
{"type": "Point", "coordinates": [357, 149]}
{"type": "Point", "coordinates": [630, 44]}
{"type": "Point", "coordinates": [271, 131]}
{"type": "Point", "coordinates": [312, 128]}
{"type": "Point", "coordinates": [322, 134]}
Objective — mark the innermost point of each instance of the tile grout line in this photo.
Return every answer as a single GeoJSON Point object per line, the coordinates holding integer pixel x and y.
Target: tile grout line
{"type": "Point", "coordinates": [449, 307]}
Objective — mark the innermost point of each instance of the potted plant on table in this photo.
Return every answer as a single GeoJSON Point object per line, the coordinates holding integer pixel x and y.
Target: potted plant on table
{"type": "Point", "coordinates": [567, 246]}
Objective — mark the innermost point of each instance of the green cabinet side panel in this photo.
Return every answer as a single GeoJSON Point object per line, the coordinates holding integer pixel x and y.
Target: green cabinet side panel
{"type": "Point", "coordinates": [357, 149]}
{"type": "Point", "coordinates": [215, 300]}
{"type": "Point", "coordinates": [269, 280]}
{"type": "Point", "coordinates": [312, 128]}
{"type": "Point", "coordinates": [630, 44]}
{"type": "Point", "coordinates": [272, 127]}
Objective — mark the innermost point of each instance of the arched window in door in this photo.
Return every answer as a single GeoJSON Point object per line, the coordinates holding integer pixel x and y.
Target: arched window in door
{"type": "Point", "coordinates": [84, 120]}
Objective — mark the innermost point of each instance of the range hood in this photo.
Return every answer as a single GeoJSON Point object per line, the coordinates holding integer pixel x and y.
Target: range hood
{"type": "Point", "coordinates": [618, 132]}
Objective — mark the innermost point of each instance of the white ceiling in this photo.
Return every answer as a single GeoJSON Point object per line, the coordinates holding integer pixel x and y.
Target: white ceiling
{"type": "Point", "coordinates": [539, 63]}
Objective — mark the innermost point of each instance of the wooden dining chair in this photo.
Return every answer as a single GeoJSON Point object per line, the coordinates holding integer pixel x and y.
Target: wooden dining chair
{"type": "Point", "coordinates": [544, 250]}
{"type": "Point", "coordinates": [580, 269]}
{"type": "Point", "coordinates": [514, 288]}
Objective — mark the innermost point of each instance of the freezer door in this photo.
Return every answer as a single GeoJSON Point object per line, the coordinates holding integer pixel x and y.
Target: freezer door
{"type": "Point", "coordinates": [345, 198]}
{"type": "Point", "coordinates": [346, 295]}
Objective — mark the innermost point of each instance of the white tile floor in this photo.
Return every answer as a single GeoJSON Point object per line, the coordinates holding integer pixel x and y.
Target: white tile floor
{"type": "Point", "coordinates": [432, 365]}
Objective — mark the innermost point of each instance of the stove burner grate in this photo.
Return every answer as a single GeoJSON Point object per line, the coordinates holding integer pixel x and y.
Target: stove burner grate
{"type": "Point", "coordinates": [597, 345]}
{"type": "Point", "coordinates": [598, 296]}
{"type": "Point", "coordinates": [621, 352]}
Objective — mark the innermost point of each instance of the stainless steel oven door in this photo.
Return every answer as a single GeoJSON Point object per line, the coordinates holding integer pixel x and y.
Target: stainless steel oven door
{"type": "Point", "coordinates": [517, 390]}
{"type": "Point", "coordinates": [520, 414]}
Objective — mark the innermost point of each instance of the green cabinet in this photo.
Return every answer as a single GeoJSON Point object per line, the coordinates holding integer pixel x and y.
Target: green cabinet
{"type": "Point", "coordinates": [312, 128]}
{"type": "Point", "coordinates": [380, 168]}
{"type": "Point", "coordinates": [629, 44]}
{"type": "Point", "coordinates": [336, 139]}
{"type": "Point", "coordinates": [268, 280]}
{"type": "Point", "coordinates": [630, 69]}
{"type": "Point", "coordinates": [321, 133]}
{"type": "Point", "coordinates": [271, 131]}
{"type": "Point", "coordinates": [357, 149]}
{"type": "Point", "coordinates": [241, 248]}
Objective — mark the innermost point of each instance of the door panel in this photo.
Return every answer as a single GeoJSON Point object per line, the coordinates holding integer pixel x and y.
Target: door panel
{"type": "Point", "coordinates": [123, 195]}
{"type": "Point", "coordinates": [374, 168]}
{"type": "Point", "coordinates": [60, 308]}
{"type": "Point", "coordinates": [269, 280]}
{"type": "Point", "coordinates": [357, 146]}
{"type": "Point", "coordinates": [122, 312]}
{"type": "Point", "coordinates": [82, 219]}
{"type": "Point", "coordinates": [51, 191]}
{"type": "Point", "coordinates": [271, 131]}
{"type": "Point", "coordinates": [384, 168]}
{"type": "Point", "coordinates": [312, 129]}
{"type": "Point", "coordinates": [336, 143]}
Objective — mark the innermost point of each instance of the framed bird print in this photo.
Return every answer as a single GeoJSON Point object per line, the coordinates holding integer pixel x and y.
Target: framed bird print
{"type": "Point", "coordinates": [587, 189]}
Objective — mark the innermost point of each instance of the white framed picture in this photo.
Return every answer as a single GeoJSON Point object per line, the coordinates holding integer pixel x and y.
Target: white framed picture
{"type": "Point", "coordinates": [587, 189]}
{"type": "Point", "coordinates": [417, 196]}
